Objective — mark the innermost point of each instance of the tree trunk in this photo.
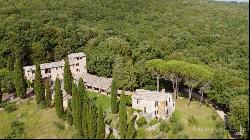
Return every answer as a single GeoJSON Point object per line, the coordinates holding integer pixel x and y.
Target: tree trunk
{"type": "Point", "coordinates": [158, 83]}
{"type": "Point", "coordinates": [176, 84]}
{"type": "Point", "coordinates": [201, 97]}
{"type": "Point", "coordinates": [190, 95]}
{"type": "Point", "coordinates": [173, 82]}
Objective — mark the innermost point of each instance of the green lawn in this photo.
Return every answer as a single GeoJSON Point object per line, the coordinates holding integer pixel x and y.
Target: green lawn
{"type": "Point", "coordinates": [43, 123]}
{"type": "Point", "coordinates": [104, 100]}
{"type": "Point", "coordinates": [203, 129]}
{"type": "Point", "coordinates": [38, 123]}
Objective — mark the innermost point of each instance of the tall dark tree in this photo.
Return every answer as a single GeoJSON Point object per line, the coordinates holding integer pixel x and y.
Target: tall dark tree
{"type": "Point", "coordinates": [100, 124]}
{"type": "Point", "coordinates": [69, 112]}
{"type": "Point", "coordinates": [10, 63]}
{"type": "Point", "coordinates": [114, 106]}
{"type": "Point", "coordinates": [0, 92]}
{"type": "Point", "coordinates": [92, 117]}
{"type": "Point", "coordinates": [85, 116]}
{"type": "Point", "coordinates": [74, 97]}
{"type": "Point", "coordinates": [130, 131]}
{"type": "Point", "coordinates": [122, 116]}
{"type": "Point", "coordinates": [67, 77]}
{"type": "Point", "coordinates": [58, 99]}
{"type": "Point", "coordinates": [78, 110]}
{"type": "Point", "coordinates": [19, 81]}
{"type": "Point", "coordinates": [48, 97]}
{"type": "Point", "coordinates": [38, 86]}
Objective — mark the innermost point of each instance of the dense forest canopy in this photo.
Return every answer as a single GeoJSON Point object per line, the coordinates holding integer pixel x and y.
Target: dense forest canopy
{"type": "Point", "coordinates": [119, 36]}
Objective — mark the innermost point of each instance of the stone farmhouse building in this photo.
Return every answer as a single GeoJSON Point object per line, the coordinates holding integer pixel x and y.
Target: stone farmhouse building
{"type": "Point", "coordinates": [153, 103]}
{"type": "Point", "coordinates": [77, 62]}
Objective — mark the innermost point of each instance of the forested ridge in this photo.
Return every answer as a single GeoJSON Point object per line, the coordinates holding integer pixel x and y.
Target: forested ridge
{"type": "Point", "coordinates": [119, 36]}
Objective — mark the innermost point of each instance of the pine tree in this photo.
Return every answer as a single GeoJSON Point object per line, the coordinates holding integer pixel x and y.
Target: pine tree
{"type": "Point", "coordinates": [85, 116]}
{"type": "Point", "coordinates": [67, 77]}
{"type": "Point", "coordinates": [100, 124]}
{"type": "Point", "coordinates": [19, 81]}
{"type": "Point", "coordinates": [58, 99]}
{"type": "Point", "coordinates": [130, 131]}
{"type": "Point", "coordinates": [69, 112]}
{"type": "Point", "coordinates": [122, 116]}
{"type": "Point", "coordinates": [47, 94]}
{"type": "Point", "coordinates": [74, 94]}
{"type": "Point", "coordinates": [38, 86]}
{"type": "Point", "coordinates": [114, 107]}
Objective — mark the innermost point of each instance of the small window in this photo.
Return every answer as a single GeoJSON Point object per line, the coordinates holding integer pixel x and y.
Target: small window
{"type": "Point", "coordinates": [155, 112]}
{"type": "Point", "coordinates": [137, 101]}
{"type": "Point", "coordinates": [77, 64]}
{"type": "Point", "coordinates": [156, 104]}
{"type": "Point", "coordinates": [56, 68]}
{"type": "Point", "coordinates": [77, 58]}
{"type": "Point", "coordinates": [145, 109]}
{"type": "Point", "coordinates": [169, 99]}
{"type": "Point", "coordinates": [166, 103]}
{"type": "Point", "coordinates": [173, 104]}
{"type": "Point", "coordinates": [33, 71]}
{"type": "Point", "coordinates": [167, 112]}
{"type": "Point", "coordinates": [77, 70]}
{"type": "Point", "coordinates": [80, 57]}
{"type": "Point", "coordinates": [49, 76]}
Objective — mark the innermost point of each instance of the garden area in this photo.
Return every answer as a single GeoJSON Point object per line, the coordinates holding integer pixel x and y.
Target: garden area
{"type": "Point", "coordinates": [26, 120]}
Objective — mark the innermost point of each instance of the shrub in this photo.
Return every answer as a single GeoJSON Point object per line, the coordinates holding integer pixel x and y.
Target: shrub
{"type": "Point", "coordinates": [182, 136]}
{"type": "Point", "coordinates": [141, 121]}
{"type": "Point", "coordinates": [140, 133]}
{"type": "Point", "coordinates": [214, 115]}
{"type": "Point", "coordinates": [128, 101]}
{"type": "Point", "coordinates": [17, 130]}
{"type": "Point", "coordinates": [177, 127]}
{"type": "Point", "coordinates": [164, 126]}
{"type": "Point", "coordinates": [153, 122]}
{"type": "Point", "coordinates": [59, 125]}
{"type": "Point", "coordinates": [173, 118]}
{"type": "Point", "coordinates": [192, 120]}
{"type": "Point", "coordinates": [10, 107]}
{"type": "Point", "coordinates": [108, 121]}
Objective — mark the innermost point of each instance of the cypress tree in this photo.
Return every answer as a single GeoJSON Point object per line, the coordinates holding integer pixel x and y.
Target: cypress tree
{"type": "Point", "coordinates": [10, 63]}
{"type": "Point", "coordinates": [85, 116]}
{"type": "Point", "coordinates": [74, 94]}
{"type": "Point", "coordinates": [67, 77]}
{"type": "Point", "coordinates": [58, 99]}
{"type": "Point", "coordinates": [114, 107]}
{"type": "Point", "coordinates": [47, 94]}
{"type": "Point", "coordinates": [38, 86]}
{"type": "Point", "coordinates": [130, 131]}
{"type": "Point", "coordinates": [78, 111]}
{"type": "Point", "coordinates": [100, 124]}
{"type": "Point", "coordinates": [19, 81]}
{"type": "Point", "coordinates": [122, 116]}
{"type": "Point", "coordinates": [91, 120]}
{"type": "Point", "coordinates": [0, 92]}
{"type": "Point", "coordinates": [69, 112]}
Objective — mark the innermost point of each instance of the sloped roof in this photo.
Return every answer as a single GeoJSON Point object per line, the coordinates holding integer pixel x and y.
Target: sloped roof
{"type": "Point", "coordinates": [95, 81]}
{"type": "Point", "coordinates": [73, 55]}
{"type": "Point", "coordinates": [151, 95]}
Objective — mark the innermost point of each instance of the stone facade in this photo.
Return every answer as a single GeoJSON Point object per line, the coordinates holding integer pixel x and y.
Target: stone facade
{"type": "Point", "coordinates": [153, 103]}
{"type": "Point", "coordinates": [53, 70]}
{"type": "Point", "coordinates": [78, 69]}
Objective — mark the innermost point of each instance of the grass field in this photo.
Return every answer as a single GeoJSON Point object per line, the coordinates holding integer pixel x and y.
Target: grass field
{"type": "Point", "coordinates": [43, 123]}
{"type": "Point", "coordinates": [38, 123]}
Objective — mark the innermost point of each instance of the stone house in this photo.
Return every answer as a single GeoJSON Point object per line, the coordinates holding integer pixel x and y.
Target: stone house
{"type": "Point", "coordinates": [153, 103]}
{"type": "Point", "coordinates": [77, 62]}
